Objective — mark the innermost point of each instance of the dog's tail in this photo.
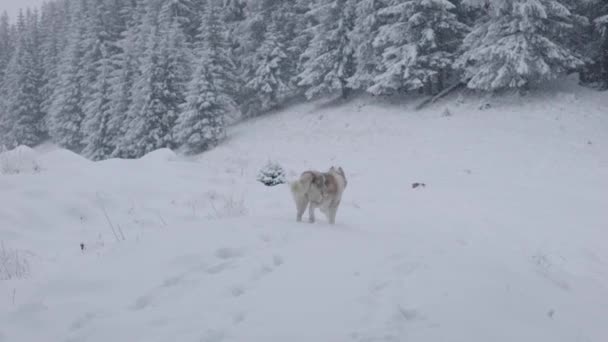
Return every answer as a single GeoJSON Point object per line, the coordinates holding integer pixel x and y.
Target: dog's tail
{"type": "Point", "coordinates": [298, 189]}
{"type": "Point", "coordinates": [300, 186]}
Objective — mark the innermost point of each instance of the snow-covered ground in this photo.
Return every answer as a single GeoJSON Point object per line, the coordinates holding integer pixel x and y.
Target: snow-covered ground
{"type": "Point", "coordinates": [507, 241]}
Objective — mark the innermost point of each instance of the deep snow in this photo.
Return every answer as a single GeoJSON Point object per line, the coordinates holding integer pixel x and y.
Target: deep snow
{"type": "Point", "coordinates": [507, 241]}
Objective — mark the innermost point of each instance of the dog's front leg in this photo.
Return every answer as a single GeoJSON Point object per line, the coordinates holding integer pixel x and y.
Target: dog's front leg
{"type": "Point", "coordinates": [333, 209]}
{"type": "Point", "coordinates": [311, 213]}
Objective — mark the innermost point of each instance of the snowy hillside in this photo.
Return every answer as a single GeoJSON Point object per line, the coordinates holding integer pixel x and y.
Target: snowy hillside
{"type": "Point", "coordinates": [506, 242]}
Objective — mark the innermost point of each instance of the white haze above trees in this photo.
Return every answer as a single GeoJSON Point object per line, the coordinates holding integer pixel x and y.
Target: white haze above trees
{"type": "Point", "coordinates": [120, 78]}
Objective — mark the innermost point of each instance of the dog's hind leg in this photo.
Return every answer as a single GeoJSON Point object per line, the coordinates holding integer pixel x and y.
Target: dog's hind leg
{"type": "Point", "coordinates": [311, 213]}
{"type": "Point", "coordinates": [301, 203]}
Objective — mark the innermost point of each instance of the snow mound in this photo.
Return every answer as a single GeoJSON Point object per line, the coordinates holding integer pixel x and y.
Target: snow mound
{"type": "Point", "coordinates": [21, 159]}
{"type": "Point", "coordinates": [160, 155]}
{"type": "Point", "coordinates": [62, 157]}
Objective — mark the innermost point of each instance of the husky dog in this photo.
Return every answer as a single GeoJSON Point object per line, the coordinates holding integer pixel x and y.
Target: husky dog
{"type": "Point", "coordinates": [321, 190]}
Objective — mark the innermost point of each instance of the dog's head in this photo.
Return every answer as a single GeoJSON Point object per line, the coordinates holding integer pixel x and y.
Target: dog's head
{"type": "Point", "coordinates": [340, 172]}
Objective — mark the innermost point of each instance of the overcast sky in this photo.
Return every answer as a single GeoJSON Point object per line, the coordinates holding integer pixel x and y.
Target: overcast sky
{"type": "Point", "coordinates": [13, 6]}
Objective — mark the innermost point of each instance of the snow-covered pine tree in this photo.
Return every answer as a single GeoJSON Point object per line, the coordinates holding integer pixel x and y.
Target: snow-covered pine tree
{"type": "Point", "coordinates": [270, 83]}
{"type": "Point", "coordinates": [6, 43]}
{"type": "Point", "coordinates": [22, 122]}
{"type": "Point", "coordinates": [131, 47]}
{"type": "Point", "coordinates": [185, 13]}
{"type": "Point", "coordinates": [249, 35]}
{"type": "Point", "coordinates": [6, 49]}
{"type": "Point", "coordinates": [417, 43]}
{"type": "Point", "coordinates": [519, 43]}
{"type": "Point", "coordinates": [593, 40]}
{"type": "Point", "coordinates": [233, 10]}
{"type": "Point", "coordinates": [106, 25]}
{"type": "Point", "coordinates": [362, 38]}
{"type": "Point", "coordinates": [66, 111]}
{"type": "Point", "coordinates": [160, 89]}
{"type": "Point", "coordinates": [601, 25]}
{"type": "Point", "coordinates": [272, 174]}
{"type": "Point", "coordinates": [177, 64]}
{"type": "Point", "coordinates": [201, 125]}
{"type": "Point", "coordinates": [288, 21]}
{"type": "Point", "coordinates": [330, 56]}
{"type": "Point", "coordinates": [54, 26]}
{"type": "Point", "coordinates": [214, 47]}
{"type": "Point", "coordinates": [303, 34]}
{"type": "Point", "coordinates": [98, 141]}
{"type": "Point", "coordinates": [233, 19]}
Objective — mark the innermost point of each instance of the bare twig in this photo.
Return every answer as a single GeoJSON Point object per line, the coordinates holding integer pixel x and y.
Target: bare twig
{"type": "Point", "coordinates": [105, 213]}
{"type": "Point", "coordinates": [161, 218]}
{"type": "Point", "coordinates": [120, 231]}
{"type": "Point", "coordinates": [217, 213]}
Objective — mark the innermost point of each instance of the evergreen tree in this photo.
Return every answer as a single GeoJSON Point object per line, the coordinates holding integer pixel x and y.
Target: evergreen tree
{"type": "Point", "coordinates": [98, 140]}
{"type": "Point", "coordinates": [6, 49]}
{"type": "Point", "coordinates": [330, 55]}
{"type": "Point", "coordinates": [601, 56]}
{"type": "Point", "coordinates": [185, 13]}
{"type": "Point", "coordinates": [593, 40]}
{"type": "Point", "coordinates": [302, 33]}
{"type": "Point", "coordinates": [269, 85]}
{"type": "Point", "coordinates": [131, 47]}
{"type": "Point", "coordinates": [66, 111]}
{"type": "Point", "coordinates": [107, 26]}
{"type": "Point", "coordinates": [22, 121]}
{"type": "Point", "coordinates": [54, 29]}
{"type": "Point", "coordinates": [201, 125]}
{"type": "Point", "coordinates": [233, 11]}
{"type": "Point", "coordinates": [362, 38]}
{"type": "Point", "coordinates": [215, 48]}
{"type": "Point", "coordinates": [160, 89]}
{"type": "Point", "coordinates": [6, 43]}
{"type": "Point", "coordinates": [519, 43]}
{"type": "Point", "coordinates": [417, 45]}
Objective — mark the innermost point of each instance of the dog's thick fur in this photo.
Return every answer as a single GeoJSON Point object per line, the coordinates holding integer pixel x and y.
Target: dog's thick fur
{"type": "Point", "coordinates": [321, 190]}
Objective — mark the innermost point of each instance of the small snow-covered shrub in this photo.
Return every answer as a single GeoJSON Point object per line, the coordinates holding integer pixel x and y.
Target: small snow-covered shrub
{"type": "Point", "coordinates": [22, 159]}
{"type": "Point", "coordinates": [13, 263]}
{"type": "Point", "coordinates": [272, 174]}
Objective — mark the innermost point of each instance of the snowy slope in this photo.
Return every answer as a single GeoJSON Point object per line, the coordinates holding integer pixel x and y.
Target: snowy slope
{"type": "Point", "coordinates": [507, 241]}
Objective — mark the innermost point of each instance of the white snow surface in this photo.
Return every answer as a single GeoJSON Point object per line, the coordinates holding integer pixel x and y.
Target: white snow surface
{"type": "Point", "coordinates": [507, 241]}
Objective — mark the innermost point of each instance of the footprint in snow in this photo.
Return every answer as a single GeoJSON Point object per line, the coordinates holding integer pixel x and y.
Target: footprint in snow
{"type": "Point", "coordinates": [218, 268]}
{"type": "Point", "coordinates": [141, 303]}
{"type": "Point", "coordinates": [261, 272]}
{"type": "Point", "coordinates": [547, 267]}
{"type": "Point", "coordinates": [82, 321]}
{"type": "Point", "coordinates": [237, 291]}
{"type": "Point", "coordinates": [238, 318]}
{"type": "Point", "coordinates": [277, 260]}
{"type": "Point", "coordinates": [172, 281]}
{"type": "Point", "coordinates": [227, 253]}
